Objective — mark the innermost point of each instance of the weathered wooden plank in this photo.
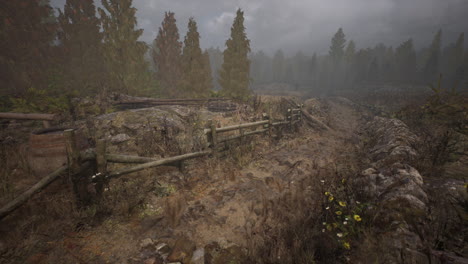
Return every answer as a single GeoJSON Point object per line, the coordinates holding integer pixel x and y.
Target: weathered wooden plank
{"type": "Point", "coordinates": [49, 117]}
{"type": "Point", "coordinates": [245, 125]}
{"type": "Point", "coordinates": [156, 163]}
{"type": "Point", "coordinates": [245, 134]}
{"type": "Point", "coordinates": [20, 200]}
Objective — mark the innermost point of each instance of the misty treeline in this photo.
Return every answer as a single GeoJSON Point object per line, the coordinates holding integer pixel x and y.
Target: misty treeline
{"type": "Point", "coordinates": [346, 67]}
{"type": "Point", "coordinates": [47, 60]}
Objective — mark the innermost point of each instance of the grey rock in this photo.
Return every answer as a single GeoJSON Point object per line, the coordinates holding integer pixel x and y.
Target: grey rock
{"type": "Point", "coordinates": [120, 138]}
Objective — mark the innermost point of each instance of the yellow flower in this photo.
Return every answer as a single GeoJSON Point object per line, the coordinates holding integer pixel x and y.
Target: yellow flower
{"type": "Point", "coordinates": [342, 204]}
{"type": "Point", "coordinates": [338, 212]}
{"type": "Point", "coordinates": [346, 245]}
{"type": "Point", "coordinates": [357, 218]}
{"type": "Point", "coordinates": [329, 227]}
{"type": "Point", "coordinates": [327, 193]}
{"type": "Point", "coordinates": [330, 198]}
{"type": "Point", "coordinates": [335, 225]}
{"type": "Point", "coordinates": [343, 181]}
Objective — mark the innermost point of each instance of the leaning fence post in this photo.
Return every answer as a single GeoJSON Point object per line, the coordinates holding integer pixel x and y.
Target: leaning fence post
{"type": "Point", "coordinates": [101, 164]}
{"type": "Point", "coordinates": [73, 155]}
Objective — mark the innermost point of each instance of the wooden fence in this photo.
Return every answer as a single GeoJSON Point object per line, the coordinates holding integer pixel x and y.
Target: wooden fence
{"type": "Point", "coordinates": [99, 158]}
{"type": "Point", "coordinates": [45, 118]}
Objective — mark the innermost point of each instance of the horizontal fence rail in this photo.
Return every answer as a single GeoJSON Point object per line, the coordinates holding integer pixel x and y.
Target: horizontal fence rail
{"type": "Point", "coordinates": [98, 157]}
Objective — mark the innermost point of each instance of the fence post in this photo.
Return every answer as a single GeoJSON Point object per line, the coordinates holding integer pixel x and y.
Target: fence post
{"type": "Point", "coordinates": [74, 162]}
{"type": "Point", "coordinates": [101, 164]}
{"type": "Point", "coordinates": [290, 118]}
{"type": "Point", "coordinates": [270, 123]}
{"type": "Point", "coordinates": [214, 139]}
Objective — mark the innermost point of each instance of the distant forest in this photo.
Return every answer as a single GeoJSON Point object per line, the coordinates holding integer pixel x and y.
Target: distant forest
{"type": "Point", "coordinates": [48, 58]}
{"type": "Point", "coordinates": [345, 66]}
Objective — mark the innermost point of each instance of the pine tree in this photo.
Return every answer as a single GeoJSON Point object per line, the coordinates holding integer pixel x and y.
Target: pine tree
{"type": "Point", "coordinates": [123, 53]}
{"type": "Point", "coordinates": [338, 42]}
{"type": "Point", "coordinates": [405, 60]}
{"type": "Point", "coordinates": [80, 41]}
{"type": "Point", "coordinates": [27, 29]}
{"type": "Point", "coordinates": [350, 52]}
{"type": "Point", "coordinates": [167, 56]}
{"type": "Point", "coordinates": [430, 69]}
{"type": "Point", "coordinates": [235, 71]}
{"type": "Point", "coordinates": [452, 61]}
{"type": "Point", "coordinates": [196, 73]}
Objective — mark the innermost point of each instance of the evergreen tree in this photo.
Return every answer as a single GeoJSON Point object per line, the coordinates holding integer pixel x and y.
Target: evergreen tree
{"type": "Point", "coordinates": [123, 53]}
{"type": "Point", "coordinates": [27, 29]}
{"type": "Point", "coordinates": [337, 72]}
{"type": "Point", "coordinates": [235, 71]}
{"type": "Point", "coordinates": [167, 55]}
{"type": "Point", "coordinates": [452, 61]}
{"type": "Point", "coordinates": [405, 60]}
{"type": "Point", "coordinates": [350, 52]}
{"type": "Point", "coordinates": [430, 69]}
{"type": "Point", "coordinates": [338, 42]}
{"type": "Point", "coordinates": [196, 77]}
{"type": "Point", "coordinates": [80, 41]}
{"type": "Point", "coordinates": [312, 71]}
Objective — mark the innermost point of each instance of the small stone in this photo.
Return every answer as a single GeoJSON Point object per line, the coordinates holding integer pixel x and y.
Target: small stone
{"type": "Point", "coordinates": [163, 248]}
{"type": "Point", "coordinates": [147, 242]}
{"type": "Point", "coordinates": [150, 261]}
{"type": "Point", "coordinates": [119, 138]}
{"type": "Point", "coordinates": [182, 251]}
{"type": "Point", "coordinates": [198, 256]}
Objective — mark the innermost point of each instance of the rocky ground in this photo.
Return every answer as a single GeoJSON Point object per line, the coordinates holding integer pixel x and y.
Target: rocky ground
{"type": "Point", "coordinates": [223, 208]}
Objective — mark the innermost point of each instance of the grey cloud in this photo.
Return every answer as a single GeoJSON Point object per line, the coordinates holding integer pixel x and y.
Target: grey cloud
{"type": "Point", "coordinates": [308, 25]}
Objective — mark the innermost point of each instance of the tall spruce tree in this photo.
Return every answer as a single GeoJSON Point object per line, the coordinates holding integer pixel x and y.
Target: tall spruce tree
{"type": "Point", "coordinates": [430, 70]}
{"type": "Point", "coordinates": [405, 60]}
{"type": "Point", "coordinates": [196, 77]}
{"type": "Point", "coordinates": [167, 53]}
{"type": "Point", "coordinates": [452, 61]}
{"type": "Point", "coordinates": [80, 41]}
{"type": "Point", "coordinates": [123, 53]}
{"type": "Point", "coordinates": [235, 71]}
{"type": "Point", "coordinates": [337, 46]}
{"type": "Point", "coordinates": [27, 29]}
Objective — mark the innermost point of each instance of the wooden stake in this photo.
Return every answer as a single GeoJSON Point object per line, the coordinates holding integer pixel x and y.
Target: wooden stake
{"type": "Point", "coordinates": [101, 164]}
{"type": "Point", "coordinates": [214, 138]}
{"type": "Point", "coordinates": [74, 161]}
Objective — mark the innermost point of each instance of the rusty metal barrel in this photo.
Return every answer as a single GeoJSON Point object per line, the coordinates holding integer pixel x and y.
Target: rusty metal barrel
{"type": "Point", "coordinates": [47, 150]}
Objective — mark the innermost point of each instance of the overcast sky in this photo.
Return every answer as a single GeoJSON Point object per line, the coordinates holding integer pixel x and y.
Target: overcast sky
{"type": "Point", "coordinates": [308, 25]}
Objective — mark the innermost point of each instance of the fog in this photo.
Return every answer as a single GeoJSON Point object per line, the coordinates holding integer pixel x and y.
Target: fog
{"type": "Point", "coordinates": [308, 25]}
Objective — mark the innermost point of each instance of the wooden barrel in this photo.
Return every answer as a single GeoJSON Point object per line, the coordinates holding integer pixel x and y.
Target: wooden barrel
{"type": "Point", "coordinates": [47, 151]}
